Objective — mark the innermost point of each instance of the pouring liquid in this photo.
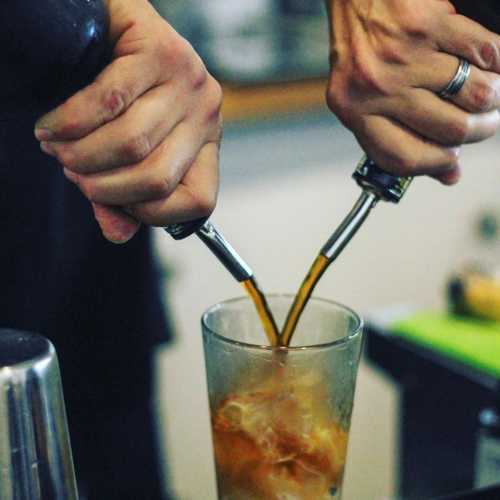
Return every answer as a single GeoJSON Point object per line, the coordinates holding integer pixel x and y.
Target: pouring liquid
{"type": "Point", "coordinates": [302, 298]}
{"type": "Point", "coordinates": [273, 335]}
{"type": "Point", "coordinates": [263, 310]}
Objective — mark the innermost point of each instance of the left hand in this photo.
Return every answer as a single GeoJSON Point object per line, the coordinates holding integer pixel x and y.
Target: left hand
{"type": "Point", "coordinates": [389, 61]}
{"type": "Point", "coordinates": [145, 134]}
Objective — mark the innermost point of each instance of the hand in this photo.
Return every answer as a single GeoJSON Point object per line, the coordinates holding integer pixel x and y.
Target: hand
{"type": "Point", "coordinates": [389, 58]}
{"type": "Point", "coordinates": [144, 136]}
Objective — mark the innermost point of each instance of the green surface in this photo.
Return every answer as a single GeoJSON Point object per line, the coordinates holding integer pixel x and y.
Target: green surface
{"type": "Point", "coordinates": [473, 342]}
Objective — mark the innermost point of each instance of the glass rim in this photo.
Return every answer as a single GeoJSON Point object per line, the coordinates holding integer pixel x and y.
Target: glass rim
{"type": "Point", "coordinates": [263, 347]}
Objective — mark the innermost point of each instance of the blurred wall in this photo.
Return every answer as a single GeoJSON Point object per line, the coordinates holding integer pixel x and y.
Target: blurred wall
{"type": "Point", "coordinates": [285, 185]}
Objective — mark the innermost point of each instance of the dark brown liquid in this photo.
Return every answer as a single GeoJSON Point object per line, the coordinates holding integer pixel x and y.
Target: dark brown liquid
{"type": "Point", "coordinates": [263, 310]}
{"type": "Point", "coordinates": [317, 269]}
{"type": "Point", "coordinates": [302, 298]}
{"type": "Point", "coordinates": [277, 437]}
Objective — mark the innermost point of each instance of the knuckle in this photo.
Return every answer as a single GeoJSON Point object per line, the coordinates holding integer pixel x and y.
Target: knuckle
{"type": "Point", "coordinates": [149, 213]}
{"type": "Point", "coordinates": [115, 101]}
{"type": "Point", "coordinates": [483, 96]}
{"type": "Point", "coordinates": [172, 52]}
{"type": "Point", "coordinates": [214, 100]}
{"type": "Point", "coordinates": [458, 130]}
{"type": "Point", "coordinates": [334, 98]}
{"type": "Point", "coordinates": [196, 72]}
{"type": "Point", "coordinates": [414, 24]}
{"type": "Point", "coordinates": [203, 203]}
{"type": "Point", "coordinates": [413, 19]}
{"type": "Point", "coordinates": [339, 103]}
{"type": "Point", "coordinates": [390, 52]}
{"type": "Point", "coordinates": [488, 54]}
{"type": "Point", "coordinates": [136, 148]}
{"type": "Point", "coordinates": [159, 187]}
{"type": "Point", "coordinates": [365, 75]}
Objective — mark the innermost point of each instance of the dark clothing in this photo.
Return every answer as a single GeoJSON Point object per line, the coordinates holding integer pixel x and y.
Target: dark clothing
{"type": "Point", "coordinates": [486, 12]}
{"type": "Point", "coordinates": [99, 303]}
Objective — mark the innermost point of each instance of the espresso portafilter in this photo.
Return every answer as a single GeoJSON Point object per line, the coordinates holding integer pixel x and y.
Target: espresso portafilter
{"type": "Point", "coordinates": [35, 453]}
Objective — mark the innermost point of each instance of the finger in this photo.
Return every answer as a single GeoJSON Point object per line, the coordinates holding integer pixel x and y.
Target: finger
{"type": "Point", "coordinates": [463, 37]}
{"type": "Point", "coordinates": [154, 178]}
{"type": "Point", "coordinates": [113, 91]}
{"type": "Point", "coordinates": [441, 121]}
{"type": "Point", "coordinates": [480, 92]}
{"type": "Point", "coordinates": [126, 140]}
{"type": "Point", "coordinates": [403, 152]}
{"type": "Point", "coordinates": [116, 225]}
{"type": "Point", "coordinates": [449, 178]}
{"type": "Point", "coordinates": [194, 197]}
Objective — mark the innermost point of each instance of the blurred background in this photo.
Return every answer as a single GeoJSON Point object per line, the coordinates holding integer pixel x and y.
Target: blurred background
{"type": "Point", "coordinates": [286, 166]}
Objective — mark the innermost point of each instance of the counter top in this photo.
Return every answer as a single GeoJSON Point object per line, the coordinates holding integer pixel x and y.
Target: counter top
{"type": "Point", "coordinates": [465, 348]}
{"type": "Point", "coordinates": [441, 396]}
{"type": "Point", "coordinates": [271, 100]}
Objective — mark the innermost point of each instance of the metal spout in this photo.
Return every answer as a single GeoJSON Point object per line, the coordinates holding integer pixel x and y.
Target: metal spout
{"type": "Point", "coordinates": [349, 226]}
{"type": "Point", "coordinates": [217, 244]}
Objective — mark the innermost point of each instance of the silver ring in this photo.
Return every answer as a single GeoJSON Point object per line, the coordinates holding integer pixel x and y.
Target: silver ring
{"type": "Point", "coordinates": [457, 82]}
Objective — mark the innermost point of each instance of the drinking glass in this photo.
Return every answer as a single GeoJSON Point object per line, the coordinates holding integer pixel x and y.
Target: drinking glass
{"type": "Point", "coordinates": [280, 415]}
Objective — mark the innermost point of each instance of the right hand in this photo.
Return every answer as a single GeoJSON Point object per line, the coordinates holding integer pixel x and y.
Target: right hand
{"type": "Point", "coordinates": [389, 58]}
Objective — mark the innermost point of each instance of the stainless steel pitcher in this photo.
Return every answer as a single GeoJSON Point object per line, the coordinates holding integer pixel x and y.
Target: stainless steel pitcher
{"type": "Point", "coordinates": [35, 453]}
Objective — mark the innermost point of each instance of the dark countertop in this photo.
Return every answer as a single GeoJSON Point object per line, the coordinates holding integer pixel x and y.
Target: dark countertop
{"type": "Point", "coordinates": [400, 357]}
{"type": "Point", "coordinates": [440, 402]}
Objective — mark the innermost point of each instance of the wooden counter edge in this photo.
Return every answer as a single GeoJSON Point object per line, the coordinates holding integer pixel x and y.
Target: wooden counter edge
{"type": "Point", "coordinates": [252, 102]}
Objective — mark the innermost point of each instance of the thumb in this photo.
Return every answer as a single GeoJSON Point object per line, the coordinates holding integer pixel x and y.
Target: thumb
{"type": "Point", "coordinates": [116, 225]}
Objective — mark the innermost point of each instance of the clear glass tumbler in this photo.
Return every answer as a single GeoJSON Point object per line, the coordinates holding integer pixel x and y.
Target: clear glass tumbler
{"type": "Point", "coordinates": [281, 416]}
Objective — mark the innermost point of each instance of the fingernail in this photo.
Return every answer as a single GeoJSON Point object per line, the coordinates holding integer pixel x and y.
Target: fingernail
{"type": "Point", "coordinates": [47, 148]}
{"type": "Point", "coordinates": [43, 134]}
{"type": "Point", "coordinates": [120, 232]}
{"type": "Point", "coordinates": [46, 121]}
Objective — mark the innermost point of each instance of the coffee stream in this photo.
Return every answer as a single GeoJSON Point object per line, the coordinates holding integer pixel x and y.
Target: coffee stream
{"type": "Point", "coordinates": [302, 298]}
{"type": "Point", "coordinates": [275, 438]}
{"type": "Point", "coordinates": [274, 337]}
{"type": "Point", "coordinates": [263, 310]}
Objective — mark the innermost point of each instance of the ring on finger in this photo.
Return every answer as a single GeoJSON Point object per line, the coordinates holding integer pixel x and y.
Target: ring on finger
{"type": "Point", "coordinates": [458, 80]}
